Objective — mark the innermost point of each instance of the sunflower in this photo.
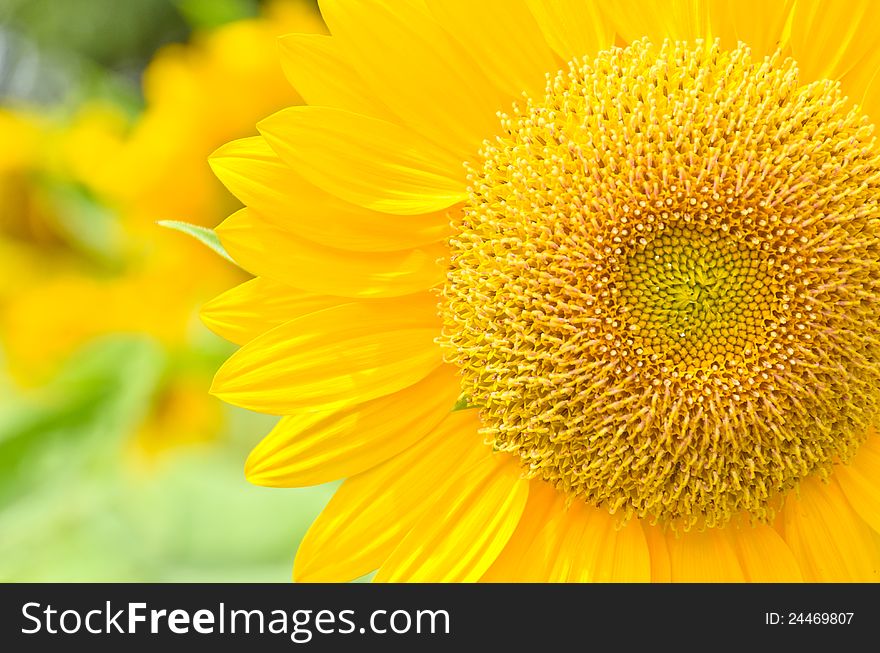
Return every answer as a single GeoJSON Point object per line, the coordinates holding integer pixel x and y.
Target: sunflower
{"type": "Point", "coordinates": [568, 291]}
{"type": "Point", "coordinates": [199, 95]}
{"type": "Point", "coordinates": [69, 280]}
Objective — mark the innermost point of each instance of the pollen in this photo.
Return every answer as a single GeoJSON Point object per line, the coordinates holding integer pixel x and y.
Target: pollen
{"type": "Point", "coordinates": [664, 289]}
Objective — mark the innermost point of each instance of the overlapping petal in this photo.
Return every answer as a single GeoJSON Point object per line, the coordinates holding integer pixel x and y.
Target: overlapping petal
{"type": "Point", "coordinates": [417, 68]}
{"type": "Point", "coordinates": [678, 20]}
{"type": "Point", "coordinates": [265, 249]}
{"type": "Point", "coordinates": [366, 161]}
{"type": "Point", "coordinates": [372, 512]}
{"type": "Point", "coordinates": [764, 556]}
{"type": "Point", "coordinates": [573, 28]}
{"type": "Point", "coordinates": [758, 23]}
{"type": "Point", "coordinates": [830, 40]}
{"type": "Point", "coordinates": [465, 529]}
{"type": "Point", "coordinates": [829, 540]}
{"type": "Point", "coordinates": [586, 544]}
{"type": "Point", "coordinates": [346, 354]}
{"type": "Point", "coordinates": [708, 556]}
{"type": "Point", "coordinates": [513, 564]}
{"type": "Point", "coordinates": [256, 306]}
{"type": "Point", "coordinates": [262, 181]}
{"type": "Point", "coordinates": [338, 442]}
{"type": "Point", "coordinates": [503, 39]}
{"type": "Point", "coordinates": [323, 77]}
{"type": "Point", "coordinates": [860, 481]}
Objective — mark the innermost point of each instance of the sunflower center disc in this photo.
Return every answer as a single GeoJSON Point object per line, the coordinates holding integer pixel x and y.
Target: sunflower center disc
{"type": "Point", "coordinates": [664, 292]}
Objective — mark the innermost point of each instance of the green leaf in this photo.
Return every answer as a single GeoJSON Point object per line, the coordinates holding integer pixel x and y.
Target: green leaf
{"type": "Point", "coordinates": [202, 234]}
{"type": "Point", "coordinates": [82, 415]}
{"type": "Point", "coordinates": [84, 222]}
{"type": "Point", "coordinates": [463, 403]}
{"type": "Point", "coordinates": [207, 14]}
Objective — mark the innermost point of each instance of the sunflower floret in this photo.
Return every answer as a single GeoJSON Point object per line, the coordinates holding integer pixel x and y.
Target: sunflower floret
{"type": "Point", "coordinates": [664, 290]}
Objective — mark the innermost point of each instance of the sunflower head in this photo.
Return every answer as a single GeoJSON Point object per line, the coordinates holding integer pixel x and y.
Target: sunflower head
{"type": "Point", "coordinates": [659, 282]}
{"type": "Point", "coordinates": [664, 292]}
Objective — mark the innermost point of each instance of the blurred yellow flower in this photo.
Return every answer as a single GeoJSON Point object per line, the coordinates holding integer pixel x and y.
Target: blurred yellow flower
{"type": "Point", "coordinates": [24, 212]}
{"type": "Point", "coordinates": [199, 96]}
{"type": "Point", "coordinates": [44, 229]}
{"type": "Point", "coordinates": [139, 174]}
{"type": "Point", "coordinates": [658, 274]}
{"type": "Point", "coordinates": [20, 141]}
{"type": "Point", "coordinates": [115, 464]}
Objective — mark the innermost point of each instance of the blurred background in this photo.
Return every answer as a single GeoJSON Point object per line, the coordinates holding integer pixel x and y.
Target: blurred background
{"type": "Point", "coordinates": [115, 462]}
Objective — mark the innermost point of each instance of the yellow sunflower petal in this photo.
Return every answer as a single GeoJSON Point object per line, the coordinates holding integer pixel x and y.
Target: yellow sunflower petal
{"type": "Point", "coordinates": [322, 446]}
{"type": "Point", "coordinates": [660, 566]}
{"type": "Point", "coordinates": [764, 555]}
{"type": "Point", "coordinates": [850, 28]}
{"type": "Point", "coordinates": [553, 556]}
{"type": "Point", "coordinates": [465, 529]}
{"type": "Point", "coordinates": [436, 504]}
{"type": "Point", "coordinates": [319, 73]}
{"type": "Point", "coordinates": [580, 544]}
{"type": "Point", "coordinates": [537, 566]}
{"type": "Point", "coordinates": [266, 250]}
{"type": "Point", "coordinates": [573, 28]}
{"type": "Point", "coordinates": [624, 556]}
{"type": "Point", "coordinates": [704, 557]}
{"type": "Point", "coordinates": [869, 99]}
{"type": "Point", "coordinates": [503, 38]}
{"type": "Point", "coordinates": [679, 20]}
{"type": "Point", "coordinates": [419, 71]}
{"type": "Point", "coordinates": [594, 548]}
{"type": "Point", "coordinates": [346, 354]}
{"type": "Point", "coordinates": [509, 567]}
{"type": "Point", "coordinates": [252, 171]}
{"type": "Point", "coordinates": [760, 24]}
{"type": "Point", "coordinates": [254, 307]}
{"type": "Point", "coordinates": [366, 161]}
{"type": "Point", "coordinates": [828, 539]}
{"type": "Point", "coordinates": [831, 39]}
{"type": "Point", "coordinates": [372, 512]}
{"type": "Point", "coordinates": [860, 481]}
{"type": "Point", "coordinates": [584, 544]}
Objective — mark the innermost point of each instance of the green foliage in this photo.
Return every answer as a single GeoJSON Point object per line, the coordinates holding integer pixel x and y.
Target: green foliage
{"type": "Point", "coordinates": [204, 14]}
{"type": "Point", "coordinates": [462, 403]}
{"type": "Point", "coordinates": [97, 399]}
{"type": "Point", "coordinates": [202, 234]}
{"type": "Point", "coordinates": [75, 502]}
{"type": "Point", "coordinates": [85, 222]}
{"type": "Point", "coordinates": [111, 33]}
{"type": "Point", "coordinates": [72, 506]}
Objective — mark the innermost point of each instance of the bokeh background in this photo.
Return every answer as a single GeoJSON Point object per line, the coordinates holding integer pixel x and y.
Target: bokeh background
{"type": "Point", "coordinates": [115, 462]}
